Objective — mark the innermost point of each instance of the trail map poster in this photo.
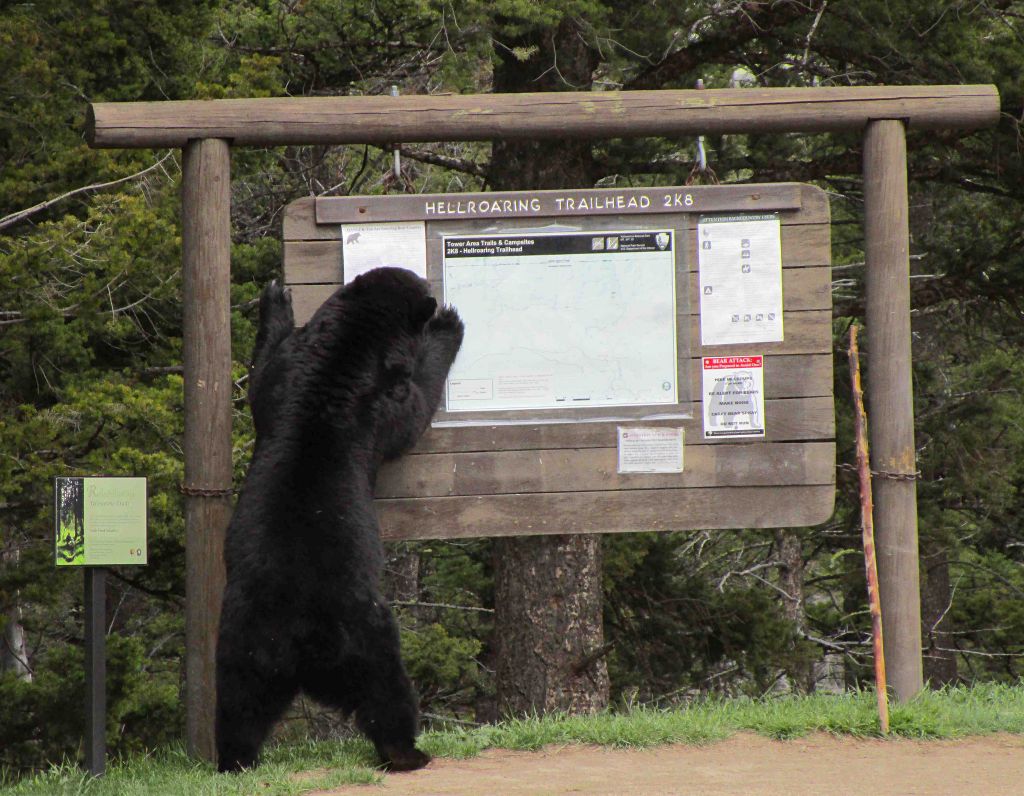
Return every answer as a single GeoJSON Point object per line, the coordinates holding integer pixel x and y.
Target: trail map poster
{"type": "Point", "coordinates": [561, 320]}
{"type": "Point", "coordinates": [99, 521]}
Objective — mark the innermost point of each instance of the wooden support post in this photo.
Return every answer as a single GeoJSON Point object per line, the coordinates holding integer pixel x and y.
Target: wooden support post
{"type": "Point", "coordinates": [95, 670]}
{"type": "Point", "coordinates": [206, 283]}
{"type": "Point", "coordinates": [890, 400]}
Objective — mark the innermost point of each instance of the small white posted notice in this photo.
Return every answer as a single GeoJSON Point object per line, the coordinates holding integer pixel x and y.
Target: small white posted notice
{"type": "Point", "coordinates": [399, 244]}
{"type": "Point", "coordinates": [733, 396]}
{"type": "Point", "coordinates": [739, 259]}
{"type": "Point", "coordinates": [650, 450]}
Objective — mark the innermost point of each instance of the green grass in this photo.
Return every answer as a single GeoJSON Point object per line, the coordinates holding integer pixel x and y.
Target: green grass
{"type": "Point", "coordinates": [170, 772]}
{"type": "Point", "coordinates": [952, 713]}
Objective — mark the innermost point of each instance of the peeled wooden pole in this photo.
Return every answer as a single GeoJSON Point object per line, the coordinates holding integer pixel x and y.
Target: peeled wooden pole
{"type": "Point", "coordinates": [556, 114]}
{"type": "Point", "coordinates": [206, 283]}
{"type": "Point", "coordinates": [890, 399]}
{"type": "Point", "coordinates": [860, 423]}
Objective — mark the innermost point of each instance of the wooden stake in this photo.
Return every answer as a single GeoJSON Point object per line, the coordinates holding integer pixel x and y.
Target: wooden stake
{"type": "Point", "coordinates": [860, 425]}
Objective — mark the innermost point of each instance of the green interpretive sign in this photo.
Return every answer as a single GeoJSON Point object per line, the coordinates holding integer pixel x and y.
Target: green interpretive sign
{"type": "Point", "coordinates": [99, 521]}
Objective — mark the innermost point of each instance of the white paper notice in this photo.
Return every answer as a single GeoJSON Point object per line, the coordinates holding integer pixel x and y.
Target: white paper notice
{"type": "Point", "coordinates": [650, 450]}
{"type": "Point", "coordinates": [401, 244]}
{"type": "Point", "coordinates": [733, 396]}
{"type": "Point", "coordinates": [740, 263]}
{"type": "Point", "coordinates": [563, 320]}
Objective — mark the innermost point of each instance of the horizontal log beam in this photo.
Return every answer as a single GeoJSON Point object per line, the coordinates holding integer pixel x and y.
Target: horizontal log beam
{"type": "Point", "coordinates": [471, 117]}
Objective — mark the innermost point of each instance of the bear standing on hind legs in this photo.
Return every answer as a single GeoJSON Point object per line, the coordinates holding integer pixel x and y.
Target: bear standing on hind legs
{"type": "Point", "coordinates": [302, 606]}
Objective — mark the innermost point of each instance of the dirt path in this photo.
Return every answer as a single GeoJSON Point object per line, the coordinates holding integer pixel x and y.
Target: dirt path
{"type": "Point", "coordinates": [744, 765]}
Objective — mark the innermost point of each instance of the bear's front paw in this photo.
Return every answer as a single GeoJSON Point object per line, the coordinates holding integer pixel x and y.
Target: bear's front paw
{"type": "Point", "coordinates": [446, 321]}
{"type": "Point", "coordinates": [276, 305]}
{"type": "Point", "coordinates": [402, 759]}
{"type": "Point", "coordinates": [275, 295]}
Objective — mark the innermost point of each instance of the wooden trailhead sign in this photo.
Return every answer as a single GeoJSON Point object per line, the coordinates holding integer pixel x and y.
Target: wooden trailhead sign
{"type": "Point", "coordinates": [537, 469]}
{"type": "Point", "coordinates": [509, 479]}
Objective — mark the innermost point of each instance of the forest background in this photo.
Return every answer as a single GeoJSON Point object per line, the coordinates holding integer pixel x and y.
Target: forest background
{"type": "Point", "coordinates": [90, 343]}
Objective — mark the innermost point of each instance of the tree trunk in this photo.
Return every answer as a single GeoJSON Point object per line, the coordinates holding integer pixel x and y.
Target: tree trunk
{"type": "Point", "coordinates": [401, 581]}
{"type": "Point", "coordinates": [791, 581]}
{"type": "Point", "coordinates": [549, 636]}
{"type": "Point", "coordinates": [560, 61]}
{"type": "Point", "coordinates": [13, 649]}
{"type": "Point", "coordinates": [547, 616]}
{"type": "Point", "coordinates": [936, 594]}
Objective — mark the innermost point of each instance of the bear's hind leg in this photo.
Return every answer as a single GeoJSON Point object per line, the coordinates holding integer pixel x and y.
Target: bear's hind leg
{"type": "Point", "coordinates": [248, 706]}
{"type": "Point", "coordinates": [387, 713]}
{"type": "Point", "coordinates": [370, 682]}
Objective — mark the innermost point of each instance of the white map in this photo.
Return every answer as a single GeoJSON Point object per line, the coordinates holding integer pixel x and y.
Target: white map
{"type": "Point", "coordinates": [563, 320]}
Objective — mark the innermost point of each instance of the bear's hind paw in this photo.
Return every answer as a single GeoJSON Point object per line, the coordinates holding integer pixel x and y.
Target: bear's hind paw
{"type": "Point", "coordinates": [405, 759]}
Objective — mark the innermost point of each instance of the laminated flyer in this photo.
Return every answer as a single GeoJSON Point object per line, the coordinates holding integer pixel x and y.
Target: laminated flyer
{"type": "Point", "coordinates": [650, 450]}
{"type": "Point", "coordinates": [396, 244]}
{"type": "Point", "coordinates": [739, 260]}
{"type": "Point", "coordinates": [733, 396]}
{"type": "Point", "coordinates": [99, 521]}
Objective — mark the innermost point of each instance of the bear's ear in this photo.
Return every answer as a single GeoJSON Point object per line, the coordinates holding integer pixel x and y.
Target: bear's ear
{"type": "Point", "coordinates": [422, 311]}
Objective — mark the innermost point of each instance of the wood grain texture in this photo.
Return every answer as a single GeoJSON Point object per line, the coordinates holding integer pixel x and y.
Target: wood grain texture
{"type": "Point", "coordinates": [605, 512]}
{"type": "Point", "coordinates": [206, 284]}
{"type": "Point", "coordinates": [467, 117]}
{"type": "Point", "coordinates": [300, 218]}
{"type": "Point", "coordinates": [804, 288]}
{"type": "Point", "coordinates": [891, 399]}
{"type": "Point", "coordinates": [454, 473]}
{"type": "Point", "coordinates": [797, 203]}
{"type": "Point", "coordinates": [320, 261]}
{"type": "Point", "coordinates": [788, 419]}
{"type": "Point", "coordinates": [755, 198]}
{"type": "Point", "coordinates": [596, 469]}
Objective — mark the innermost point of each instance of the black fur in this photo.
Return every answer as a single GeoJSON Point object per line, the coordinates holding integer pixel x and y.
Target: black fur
{"type": "Point", "coordinates": [302, 607]}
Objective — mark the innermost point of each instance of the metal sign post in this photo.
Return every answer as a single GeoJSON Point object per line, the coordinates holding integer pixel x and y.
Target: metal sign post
{"type": "Point", "coordinates": [95, 670]}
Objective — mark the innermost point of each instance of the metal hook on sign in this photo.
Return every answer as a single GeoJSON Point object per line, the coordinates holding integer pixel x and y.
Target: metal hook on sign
{"type": "Point", "coordinates": [395, 148]}
{"type": "Point", "coordinates": [702, 158]}
{"type": "Point", "coordinates": [701, 171]}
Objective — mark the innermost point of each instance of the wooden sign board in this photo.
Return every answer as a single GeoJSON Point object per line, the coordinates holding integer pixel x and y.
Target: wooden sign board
{"type": "Point", "coordinates": [544, 478]}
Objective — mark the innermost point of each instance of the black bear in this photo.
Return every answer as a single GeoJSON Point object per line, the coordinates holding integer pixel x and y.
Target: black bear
{"type": "Point", "coordinates": [302, 606]}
